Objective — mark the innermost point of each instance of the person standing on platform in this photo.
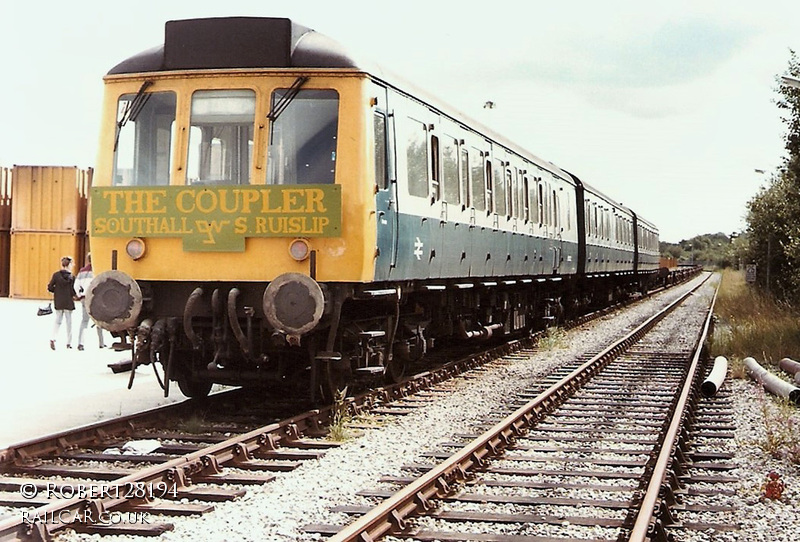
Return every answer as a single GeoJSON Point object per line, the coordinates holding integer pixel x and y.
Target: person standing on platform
{"type": "Point", "coordinates": [82, 281]}
{"type": "Point", "coordinates": [62, 286]}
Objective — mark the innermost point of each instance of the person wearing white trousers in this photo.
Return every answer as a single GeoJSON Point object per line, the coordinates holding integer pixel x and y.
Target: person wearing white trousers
{"type": "Point", "coordinates": [82, 281]}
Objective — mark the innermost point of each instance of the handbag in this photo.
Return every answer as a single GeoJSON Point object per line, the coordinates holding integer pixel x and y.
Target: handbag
{"type": "Point", "coordinates": [43, 311]}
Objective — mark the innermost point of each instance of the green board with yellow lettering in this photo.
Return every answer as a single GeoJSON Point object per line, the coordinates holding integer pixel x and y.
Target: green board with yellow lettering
{"type": "Point", "coordinates": [217, 218]}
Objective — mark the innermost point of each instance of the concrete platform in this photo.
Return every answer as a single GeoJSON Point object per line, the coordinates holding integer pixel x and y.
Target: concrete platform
{"type": "Point", "coordinates": [42, 391]}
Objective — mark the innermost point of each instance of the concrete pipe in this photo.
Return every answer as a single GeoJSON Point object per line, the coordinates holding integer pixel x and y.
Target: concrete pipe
{"type": "Point", "coordinates": [715, 377]}
{"type": "Point", "coordinates": [772, 383]}
{"type": "Point", "coordinates": [789, 365]}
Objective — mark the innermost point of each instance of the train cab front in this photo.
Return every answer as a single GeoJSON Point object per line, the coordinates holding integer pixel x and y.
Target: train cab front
{"type": "Point", "coordinates": [218, 251]}
{"type": "Point", "coordinates": [219, 236]}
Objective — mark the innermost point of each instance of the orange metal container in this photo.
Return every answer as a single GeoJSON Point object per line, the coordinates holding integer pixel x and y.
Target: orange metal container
{"type": "Point", "coordinates": [48, 221]}
{"type": "Point", "coordinates": [669, 263]}
{"type": "Point", "coordinates": [37, 256]}
{"type": "Point", "coordinates": [50, 198]}
{"type": "Point", "coordinates": [5, 230]}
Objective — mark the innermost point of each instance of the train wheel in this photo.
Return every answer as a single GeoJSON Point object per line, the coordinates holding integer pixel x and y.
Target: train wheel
{"type": "Point", "coordinates": [195, 389]}
{"type": "Point", "coordinates": [335, 377]}
{"type": "Point", "coordinates": [395, 370]}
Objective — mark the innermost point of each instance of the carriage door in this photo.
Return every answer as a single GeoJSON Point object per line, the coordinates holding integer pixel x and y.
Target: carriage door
{"type": "Point", "coordinates": [558, 223]}
{"type": "Point", "coordinates": [386, 183]}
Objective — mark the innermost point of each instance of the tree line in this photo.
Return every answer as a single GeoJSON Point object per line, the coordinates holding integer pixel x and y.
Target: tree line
{"type": "Point", "coordinates": [773, 215]}
{"type": "Point", "coordinates": [712, 250]}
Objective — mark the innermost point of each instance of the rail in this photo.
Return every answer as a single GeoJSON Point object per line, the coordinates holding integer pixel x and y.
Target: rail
{"type": "Point", "coordinates": [392, 514]}
{"type": "Point", "coordinates": [647, 523]}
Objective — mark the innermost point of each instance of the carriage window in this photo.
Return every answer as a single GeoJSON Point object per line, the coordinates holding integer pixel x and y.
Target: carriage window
{"type": "Point", "coordinates": [464, 173]}
{"type": "Point", "coordinates": [600, 231]}
{"type": "Point", "coordinates": [499, 189]}
{"type": "Point", "coordinates": [586, 214]}
{"type": "Point", "coordinates": [302, 144]}
{"type": "Point", "coordinates": [489, 187]}
{"type": "Point", "coordinates": [417, 160]}
{"type": "Point", "coordinates": [548, 205]}
{"type": "Point", "coordinates": [540, 201]}
{"type": "Point", "coordinates": [526, 199]}
{"type": "Point", "coordinates": [450, 170]}
{"type": "Point", "coordinates": [512, 178]}
{"type": "Point", "coordinates": [556, 210]}
{"type": "Point", "coordinates": [221, 137]}
{"type": "Point", "coordinates": [143, 144]}
{"type": "Point", "coordinates": [436, 185]}
{"type": "Point", "coordinates": [478, 182]}
{"type": "Point", "coordinates": [380, 150]}
{"type": "Point", "coordinates": [520, 209]}
{"type": "Point", "coordinates": [511, 192]}
{"type": "Point", "coordinates": [603, 232]}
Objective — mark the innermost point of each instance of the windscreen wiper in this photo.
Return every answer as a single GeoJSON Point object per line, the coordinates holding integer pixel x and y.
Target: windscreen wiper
{"type": "Point", "coordinates": [132, 110]}
{"type": "Point", "coordinates": [286, 99]}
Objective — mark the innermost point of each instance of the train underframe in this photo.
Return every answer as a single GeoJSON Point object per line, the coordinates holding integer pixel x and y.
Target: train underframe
{"type": "Point", "coordinates": [218, 333]}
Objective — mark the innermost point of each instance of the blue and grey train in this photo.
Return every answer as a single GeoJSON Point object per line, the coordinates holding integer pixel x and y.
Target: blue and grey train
{"type": "Point", "coordinates": [268, 209]}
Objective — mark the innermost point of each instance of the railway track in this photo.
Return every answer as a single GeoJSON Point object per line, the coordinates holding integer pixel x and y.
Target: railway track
{"type": "Point", "coordinates": [208, 467]}
{"type": "Point", "coordinates": [603, 451]}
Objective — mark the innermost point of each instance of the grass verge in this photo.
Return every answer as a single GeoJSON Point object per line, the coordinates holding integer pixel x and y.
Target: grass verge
{"type": "Point", "coordinates": [752, 324]}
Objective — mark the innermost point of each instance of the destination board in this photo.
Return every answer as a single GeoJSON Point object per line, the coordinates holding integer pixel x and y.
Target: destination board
{"type": "Point", "coordinates": [217, 218]}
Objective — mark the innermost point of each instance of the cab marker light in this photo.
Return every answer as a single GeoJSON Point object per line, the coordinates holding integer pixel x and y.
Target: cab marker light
{"type": "Point", "coordinates": [299, 249]}
{"type": "Point", "coordinates": [135, 248]}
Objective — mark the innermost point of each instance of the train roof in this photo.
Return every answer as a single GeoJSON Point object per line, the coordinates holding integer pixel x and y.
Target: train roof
{"type": "Point", "coordinates": [238, 42]}
{"type": "Point", "coordinates": [591, 189]}
{"type": "Point", "coordinates": [264, 42]}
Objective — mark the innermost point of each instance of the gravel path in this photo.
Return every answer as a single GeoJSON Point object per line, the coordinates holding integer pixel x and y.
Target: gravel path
{"type": "Point", "coordinates": [278, 511]}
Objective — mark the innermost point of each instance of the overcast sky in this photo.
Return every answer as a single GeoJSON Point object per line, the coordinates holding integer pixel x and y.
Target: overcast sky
{"type": "Point", "coordinates": [669, 110]}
